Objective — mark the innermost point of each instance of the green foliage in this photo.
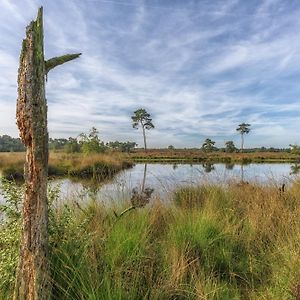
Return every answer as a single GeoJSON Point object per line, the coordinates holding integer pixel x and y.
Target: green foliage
{"type": "Point", "coordinates": [204, 239]}
{"type": "Point", "coordinates": [142, 117]}
{"type": "Point", "coordinates": [243, 128]}
{"type": "Point", "coordinates": [171, 147]}
{"type": "Point", "coordinates": [190, 197]}
{"type": "Point", "coordinates": [9, 251]}
{"type": "Point", "coordinates": [230, 147]}
{"type": "Point", "coordinates": [208, 145]}
{"type": "Point", "coordinates": [91, 143]}
{"type": "Point", "coordinates": [10, 228]}
{"type": "Point", "coordinates": [10, 231]}
{"type": "Point", "coordinates": [13, 195]}
{"type": "Point", "coordinates": [238, 242]}
{"type": "Point", "coordinates": [294, 148]}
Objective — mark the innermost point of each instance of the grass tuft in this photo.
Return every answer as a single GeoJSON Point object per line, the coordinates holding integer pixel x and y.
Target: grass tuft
{"type": "Point", "coordinates": [234, 242]}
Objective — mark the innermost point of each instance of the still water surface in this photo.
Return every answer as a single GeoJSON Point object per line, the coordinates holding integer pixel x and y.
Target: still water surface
{"type": "Point", "coordinates": [163, 178]}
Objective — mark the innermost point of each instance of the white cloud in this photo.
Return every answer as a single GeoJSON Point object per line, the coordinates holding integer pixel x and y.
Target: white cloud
{"type": "Point", "coordinates": [200, 69]}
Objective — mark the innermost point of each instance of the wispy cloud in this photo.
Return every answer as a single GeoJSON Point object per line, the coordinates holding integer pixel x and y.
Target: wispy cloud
{"type": "Point", "coordinates": [200, 68]}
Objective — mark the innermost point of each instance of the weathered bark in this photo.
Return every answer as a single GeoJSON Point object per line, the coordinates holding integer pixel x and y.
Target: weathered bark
{"type": "Point", "coordinates": [33, 275]}
{"type": "Point", "coordinates": [56, 61]}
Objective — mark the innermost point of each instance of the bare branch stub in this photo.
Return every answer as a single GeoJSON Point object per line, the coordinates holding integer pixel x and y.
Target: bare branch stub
{"type": "Point", "coordinates": [33, 274]}
{"type": "Point", "coordinates": [59, 60]}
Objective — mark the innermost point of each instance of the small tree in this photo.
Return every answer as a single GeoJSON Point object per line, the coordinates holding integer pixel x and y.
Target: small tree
{"type": "Point", "coordinates": [142, 118]}
{"type": "Point", "coordinates": [230, 147]}
{"type": "Point", "coordinates": [171, 147]}
{"type": "Point", "coordinates": [91, 143]}
{"type": "Point", "coordinates": [295, 149]}
{"type": "Point", "coordinates": [208, 145]}
{"type": "Point", "coordinates": [243, 128]}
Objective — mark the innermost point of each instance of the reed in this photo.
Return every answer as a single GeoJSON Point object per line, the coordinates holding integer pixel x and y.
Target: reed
{"type": "Point", "coordinates": [240, 241]}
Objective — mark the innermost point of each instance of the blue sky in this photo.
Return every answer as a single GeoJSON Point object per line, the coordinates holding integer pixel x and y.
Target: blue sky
{"type": "Point", "coordinates": [199, 67]}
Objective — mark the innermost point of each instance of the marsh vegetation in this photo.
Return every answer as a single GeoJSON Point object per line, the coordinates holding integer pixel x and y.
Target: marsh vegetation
{"type": "Point", "coordinates": [209, 242]}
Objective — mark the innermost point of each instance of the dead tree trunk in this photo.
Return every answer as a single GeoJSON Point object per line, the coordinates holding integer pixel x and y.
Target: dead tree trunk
{"type": "Point", "coordinates": [33, 274]}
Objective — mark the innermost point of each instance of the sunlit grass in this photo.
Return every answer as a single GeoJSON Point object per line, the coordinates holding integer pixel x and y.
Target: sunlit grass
{"type": "Point", "coordinates": [100, 165]}
{"type": "Point", "coordinates": [236, 242]}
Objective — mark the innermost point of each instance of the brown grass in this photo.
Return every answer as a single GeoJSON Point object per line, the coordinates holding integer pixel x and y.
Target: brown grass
{"type": "Point", "coordinates": [198, 155]}
{"type": "Point", "coordinates": [64, 164]}
{"type": "Point", "coordinates": [11, 158]}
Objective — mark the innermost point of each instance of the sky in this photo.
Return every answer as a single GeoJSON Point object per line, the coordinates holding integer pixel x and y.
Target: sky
{"type": "Point", "coordinates": [199, 68]}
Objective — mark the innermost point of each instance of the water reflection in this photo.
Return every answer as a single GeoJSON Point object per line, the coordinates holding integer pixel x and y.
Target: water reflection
{"type": "Point", "coordinates": [141, 198]}
{"type": "Point", "coordinates": [229, 166]}
{"type": "Point", "coordinates": [89, 187]}
{"type": "Point", "coordinates": [295, 169]}
{"type": "Point", "coordinates": [208, 167]}
{"type": "Point", "coordinates": [242, 173]}
{"type": "Point", "coordinates": [144, 177]}
{"type": "Point", "coordinates": [164, 178]}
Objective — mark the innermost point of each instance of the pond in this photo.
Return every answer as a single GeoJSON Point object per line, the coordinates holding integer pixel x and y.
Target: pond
{"type": "Point", "coordinates": [164, 178]}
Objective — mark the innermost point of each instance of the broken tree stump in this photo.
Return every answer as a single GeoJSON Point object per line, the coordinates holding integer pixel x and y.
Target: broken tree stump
{"type": "Point", "coordinates": [33, 275]}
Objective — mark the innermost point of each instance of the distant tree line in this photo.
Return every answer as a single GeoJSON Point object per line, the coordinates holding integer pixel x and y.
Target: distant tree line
{"type": "Point", "coordinates": [10, 144]}
{"type": "Point", "coordinates": [85, 143]}
{"type": "Point", "coordinates": [208, 146]}
{"type": "Point", "coordinates": [90, 143]}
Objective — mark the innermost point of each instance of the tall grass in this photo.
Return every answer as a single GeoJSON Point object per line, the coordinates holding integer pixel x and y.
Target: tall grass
{"type": "Point", "coordinates": [60, 164]}
{"type": "Point", "coordinates": [234, 242]}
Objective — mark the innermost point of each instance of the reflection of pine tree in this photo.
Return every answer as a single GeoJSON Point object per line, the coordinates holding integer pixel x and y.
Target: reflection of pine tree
{"type": "Point", "coordinates": [295, 169]}
{"type": "Point", "coordinates": [229, 166]}
{"type": "Point", "coordinates": [208, 167]}
{"type": "Point", "coordinates": [139, 200]}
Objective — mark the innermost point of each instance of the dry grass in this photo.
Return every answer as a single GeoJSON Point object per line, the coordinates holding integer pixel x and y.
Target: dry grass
{"type": "Point", "coordinates": [11, 158]}
{"type": "Point", "coordinates": [198, 155]}
{"type": "Point", "coordinates": [240, 242]}
{"type": "Point", "coordinates": [67, 164]}
{"type": "Point", "coordinates": [79, 160]}
{"type": "Point", "coordinates": [236, 242]}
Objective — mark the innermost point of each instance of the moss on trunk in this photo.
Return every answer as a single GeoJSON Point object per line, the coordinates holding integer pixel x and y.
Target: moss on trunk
{"type": "Point", "coordinates": [33, 274]}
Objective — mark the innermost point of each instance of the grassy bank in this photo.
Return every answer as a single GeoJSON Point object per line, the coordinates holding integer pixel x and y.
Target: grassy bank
{"type": "Point", "coordinates": [239, 242]}
{"type": "Point", "coordinates": [106, 165]}
{"type": "Point", "coordinates": [60, 164]}
{"type": "Point", "coordinates": [181, 155]}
